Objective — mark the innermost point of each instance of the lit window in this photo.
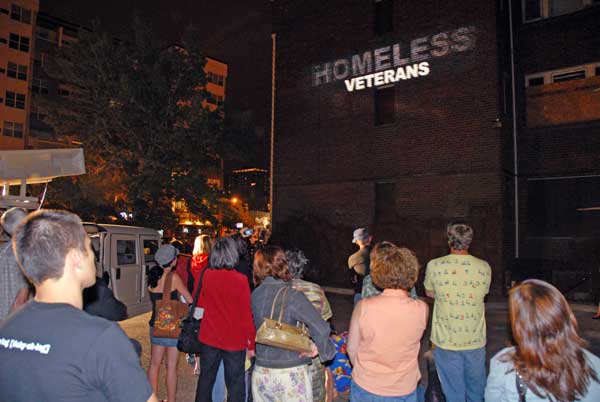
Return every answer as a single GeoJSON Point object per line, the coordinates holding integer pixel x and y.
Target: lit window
{"type": "Point", "coordinates": [385, 106]}
{"type": "Point", "coordinates": [15, 100]}
{"type": "Point", "coordinates": [20, 14]}
{"type": "Point", "coordinates": [18, 42]}
{"type": "Point", "coordinates": [384, 16]}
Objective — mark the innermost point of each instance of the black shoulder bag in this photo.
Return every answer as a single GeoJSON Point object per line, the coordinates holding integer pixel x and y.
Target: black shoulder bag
{"type": "Point", "coordinates": [188, 341]}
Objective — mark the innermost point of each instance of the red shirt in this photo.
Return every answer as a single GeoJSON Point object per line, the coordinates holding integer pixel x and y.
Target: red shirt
{"type": "Point", "coordinates": [227, 323]}
{"type": "Point", "coordinates": [183, 260]}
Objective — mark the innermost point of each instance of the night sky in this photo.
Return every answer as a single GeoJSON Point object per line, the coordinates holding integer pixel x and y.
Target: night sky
{"type": "Point", "coordinates": [235, 31]}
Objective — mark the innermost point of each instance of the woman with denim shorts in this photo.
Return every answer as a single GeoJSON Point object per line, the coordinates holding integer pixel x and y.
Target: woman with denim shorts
{"type": "Point", "coordinates": [166, 257]}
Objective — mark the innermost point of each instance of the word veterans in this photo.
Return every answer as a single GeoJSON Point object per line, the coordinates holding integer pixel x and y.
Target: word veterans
{"type": "Point", "coordinates": [387, 77]}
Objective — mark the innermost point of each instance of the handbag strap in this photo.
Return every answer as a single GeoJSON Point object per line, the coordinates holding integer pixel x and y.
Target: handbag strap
{"type": "Point", "coordinates": [167, 286]}
{"type": "Point", "coordinates": [521, 387]}
{"type": "Point", "coordinates": [275, 301]}
{"type": "Point", "coordinates": [197, 293]}
{"type": "Point", "coordinates": [283, 302]}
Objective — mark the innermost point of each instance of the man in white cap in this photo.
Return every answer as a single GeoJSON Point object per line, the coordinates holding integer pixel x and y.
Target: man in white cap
{"type": "Point", "coordinates": [14, 288]}
{"type": "Point", "coordinates": [358, 263]}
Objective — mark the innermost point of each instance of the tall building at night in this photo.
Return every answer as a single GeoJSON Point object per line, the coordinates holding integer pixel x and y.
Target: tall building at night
{"type": "Point", "coordinates": [30, 39]}
{"type": "Point", "coordinates": [17, 26]}
{"type": "Point", "coordinates": [252, 186]}
{"type": "Point", "coordinates": [399, 116]}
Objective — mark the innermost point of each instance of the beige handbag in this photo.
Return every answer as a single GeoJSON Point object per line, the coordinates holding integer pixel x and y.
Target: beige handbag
{"type": "Point", "coordinates": [281, 335]}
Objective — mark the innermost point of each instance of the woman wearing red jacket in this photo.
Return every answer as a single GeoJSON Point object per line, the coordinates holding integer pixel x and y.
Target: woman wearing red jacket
{"type": "Point", "coordinates": [227, 332]}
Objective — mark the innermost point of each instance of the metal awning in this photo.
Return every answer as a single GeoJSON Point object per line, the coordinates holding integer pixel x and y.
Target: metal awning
{"type": "Point", "coordinates": [22, 167]}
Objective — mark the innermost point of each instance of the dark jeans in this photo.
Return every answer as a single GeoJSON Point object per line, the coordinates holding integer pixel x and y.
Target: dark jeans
{"type": "Point", "coordinates": [210, 358]}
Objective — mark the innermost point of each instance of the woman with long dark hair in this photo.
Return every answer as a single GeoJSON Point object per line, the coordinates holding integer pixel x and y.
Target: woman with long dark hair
{"type": "Point", "coordinates": [549, 361]}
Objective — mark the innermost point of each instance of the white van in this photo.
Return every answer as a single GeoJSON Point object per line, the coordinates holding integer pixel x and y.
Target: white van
{"type": "Point", "coordinates": [125, 254]}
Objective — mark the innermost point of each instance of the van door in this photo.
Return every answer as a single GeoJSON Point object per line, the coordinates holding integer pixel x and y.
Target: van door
{"type": "Point", "coordinates": [126, 268]}
{"type": "Point", "coordinates": [149, 246]}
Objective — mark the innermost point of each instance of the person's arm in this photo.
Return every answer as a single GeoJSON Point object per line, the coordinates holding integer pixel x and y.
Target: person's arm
{"type": "Point", "coordinates": [245, 301]}
{"type": "Point", "coordinates": [494, 388]}
{"type": "Point", "coordinates": [354, 332]}
{"type": "Point", "coordinates": [428, 283]}
{"type": "Point", "coordinates": [20, 299]}
{"type": "Point", "coordinates": [305, 312]}
{"type": "Point", "coordinates": [181, 288]}
{"type": "Point", "coordinates": [113, 368]}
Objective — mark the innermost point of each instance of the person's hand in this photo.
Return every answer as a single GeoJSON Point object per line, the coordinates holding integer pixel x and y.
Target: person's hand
{"type": "Point", "coordinates": [313, 351]}
{"type": "Point", "coordinates": [250, 354]}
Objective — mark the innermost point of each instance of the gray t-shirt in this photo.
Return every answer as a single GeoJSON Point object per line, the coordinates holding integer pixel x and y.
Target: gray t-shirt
{"type": "Point", "coordinates": [11, 279]}
{"type": "Point", "coordinates": [56, 352]}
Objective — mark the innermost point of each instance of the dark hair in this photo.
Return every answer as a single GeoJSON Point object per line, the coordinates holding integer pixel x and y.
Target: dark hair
{"type": "Point", "coordinates": [393, 267]}
{"type": "Point", "coordinates": [43, 240]}
{"type": "Point", "coordinates": [297, 262]}
{"type": "Point", "coordinates": [154, 275]}
{"type": "Point", "coordinates": [241, 245]}
{"type": "Point", "coordinates": [270, 261]}
{"type": "Point", "coordinates": [549, 353]}
{"type": "Point", "coordinates": [224, 254]}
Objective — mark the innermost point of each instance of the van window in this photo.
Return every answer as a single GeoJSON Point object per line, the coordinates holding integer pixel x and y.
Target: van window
{"type": "Point", "coordinates": [126, 252]}
{"type": "Point", "coordinates": [150, 247]}
{"type": "Point", "coordinates": [95, 243]}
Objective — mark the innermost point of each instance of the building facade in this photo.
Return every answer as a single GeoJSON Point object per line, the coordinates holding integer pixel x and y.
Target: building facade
{"type": "Point", "coordinates": [31, 37]}
{"type": "Point", "coordinates": [17, 26]}
{"type": "Point", "coordinates": [557, 62]}
{"type": "Point", "coordinates": [252, 186]}
{"type": "Point", "coordinates": [398, 116]}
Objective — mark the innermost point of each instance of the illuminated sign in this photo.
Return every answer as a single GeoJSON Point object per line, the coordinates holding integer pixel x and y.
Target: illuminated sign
{"type": "Point", "coordinates": [393, 63]}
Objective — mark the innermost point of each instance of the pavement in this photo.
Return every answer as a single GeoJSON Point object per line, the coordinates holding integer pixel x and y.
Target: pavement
{"type": "Point", "coordinates": [497, 327]}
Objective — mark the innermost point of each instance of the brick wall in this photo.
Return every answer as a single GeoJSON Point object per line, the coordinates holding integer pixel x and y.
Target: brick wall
{"type": "Point", "coordinates": [558, 149]}
{"type": "Point", "coordinates": [444, 153]}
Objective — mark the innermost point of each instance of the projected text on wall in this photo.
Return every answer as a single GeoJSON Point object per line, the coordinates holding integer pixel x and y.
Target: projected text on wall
{"type": "Point", "coordinates": [393, 63]}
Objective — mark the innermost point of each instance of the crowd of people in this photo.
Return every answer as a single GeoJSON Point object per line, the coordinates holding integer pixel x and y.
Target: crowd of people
{"type": "Point", "coordinates": [53, 350]}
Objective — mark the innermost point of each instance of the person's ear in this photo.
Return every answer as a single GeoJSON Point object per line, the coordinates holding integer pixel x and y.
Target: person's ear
{"type": "Point", "coordinates": [72, 261]}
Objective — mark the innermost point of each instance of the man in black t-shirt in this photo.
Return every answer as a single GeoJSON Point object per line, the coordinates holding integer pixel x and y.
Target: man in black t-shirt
{"type": "Point", "coordinates": [50, 350]}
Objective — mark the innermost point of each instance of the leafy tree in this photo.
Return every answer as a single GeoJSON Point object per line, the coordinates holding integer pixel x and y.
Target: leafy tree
{"type": "Point", "coordinates": [137, 107]}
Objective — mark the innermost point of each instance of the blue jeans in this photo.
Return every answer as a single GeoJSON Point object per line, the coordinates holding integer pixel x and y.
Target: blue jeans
{"type": "Point", "coordinates": [233, 362]}
{"type": "Point", "coordinates": [358, 394]}
{"type": "Point", "coordinates": [462, 373]}
{"type": "Point", "coordinates": [218, 391]}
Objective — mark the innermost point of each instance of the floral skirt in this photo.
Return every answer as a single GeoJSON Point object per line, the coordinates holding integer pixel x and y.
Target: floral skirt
{"type": "Point", "coordinates": [276, 385]}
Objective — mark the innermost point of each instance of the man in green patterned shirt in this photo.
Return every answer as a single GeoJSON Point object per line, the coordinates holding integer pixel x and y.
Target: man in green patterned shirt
{"type": "Point", "coordinates": [459, 283]}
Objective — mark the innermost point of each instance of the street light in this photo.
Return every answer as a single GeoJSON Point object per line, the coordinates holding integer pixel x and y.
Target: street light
{"type": "Point", "coordinates": [234, 200]}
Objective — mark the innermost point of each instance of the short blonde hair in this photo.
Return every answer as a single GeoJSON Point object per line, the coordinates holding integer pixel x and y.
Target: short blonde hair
{"type": "Point", "coordinates": [393, 267]}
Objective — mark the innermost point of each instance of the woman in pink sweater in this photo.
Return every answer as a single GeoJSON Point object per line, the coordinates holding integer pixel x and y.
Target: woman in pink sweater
{"type": "Point", "coordinates": [386, 330]}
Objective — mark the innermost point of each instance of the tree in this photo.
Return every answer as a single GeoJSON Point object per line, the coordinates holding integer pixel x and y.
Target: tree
{"type": "Point", "coordinates": [137, 107]}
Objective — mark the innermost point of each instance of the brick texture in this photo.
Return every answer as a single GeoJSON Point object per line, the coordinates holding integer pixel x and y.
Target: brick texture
{"type": "Point", "coordinates": [443, 153]}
